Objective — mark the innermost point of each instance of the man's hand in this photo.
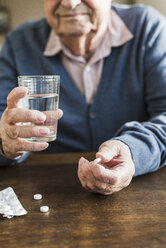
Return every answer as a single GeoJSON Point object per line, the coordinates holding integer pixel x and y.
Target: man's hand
{"type": "Point", "coordinates": [113, 173]}
{"type": "Point", "coordinates": [13, 134]}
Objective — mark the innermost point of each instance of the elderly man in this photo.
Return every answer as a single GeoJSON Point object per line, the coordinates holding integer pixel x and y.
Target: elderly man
{"type": "Point", "coordinates": [112, 63]}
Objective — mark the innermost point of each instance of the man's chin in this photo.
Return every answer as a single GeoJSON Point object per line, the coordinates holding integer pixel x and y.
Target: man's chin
{"type": "Point", "coordinates": [71, 33]}
{"type": "Point", "coordinates": [74, 30]}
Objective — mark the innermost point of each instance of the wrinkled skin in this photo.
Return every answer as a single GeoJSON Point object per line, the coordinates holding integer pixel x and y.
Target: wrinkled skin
{"type": "Point", "coordinates": [80, 24]}
{"type": "Point", "coordinates": [13, 135]}
{"type": "Point", "coordinates": [113, 173]}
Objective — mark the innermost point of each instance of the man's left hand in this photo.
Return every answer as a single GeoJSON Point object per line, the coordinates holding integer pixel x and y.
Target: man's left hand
{"type": "Point", "coordinates": [113, 173]}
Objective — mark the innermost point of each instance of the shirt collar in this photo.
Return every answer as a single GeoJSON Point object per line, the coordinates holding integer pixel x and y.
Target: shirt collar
{"type": "Point", "coordinates": [116, 35]}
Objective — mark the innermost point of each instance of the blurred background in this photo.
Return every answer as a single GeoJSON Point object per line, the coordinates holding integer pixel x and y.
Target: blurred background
{"type": "Point", "coordinates": [15, 12]}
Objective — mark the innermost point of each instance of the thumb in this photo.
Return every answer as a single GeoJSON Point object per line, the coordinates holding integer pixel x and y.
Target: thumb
{"type": "Point", "coordinates": [83, 161]}
{"type": "Point", "coordinates": [15, 95]}
{"type": "Point", "coordinates": [108, 150]}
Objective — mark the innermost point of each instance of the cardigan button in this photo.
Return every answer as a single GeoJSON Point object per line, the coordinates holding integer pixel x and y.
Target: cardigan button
{"type": "Point", "coordinates": [92, 115]}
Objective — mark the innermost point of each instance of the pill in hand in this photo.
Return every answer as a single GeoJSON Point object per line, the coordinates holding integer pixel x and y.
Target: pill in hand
{"type": "Point", "coordinates": [97, 160]}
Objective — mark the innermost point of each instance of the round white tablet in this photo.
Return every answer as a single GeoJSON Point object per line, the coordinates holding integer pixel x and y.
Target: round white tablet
{"type": "Point", "coordinates": [97, 160]}
{"type": "Point", "coordinates": [37, 197]}
{"type": "Point", "coordinates": [44, 209]}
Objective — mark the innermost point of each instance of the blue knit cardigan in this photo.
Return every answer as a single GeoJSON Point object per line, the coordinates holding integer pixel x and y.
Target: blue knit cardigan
{"type": "Point", "coordinates": [130, 104]}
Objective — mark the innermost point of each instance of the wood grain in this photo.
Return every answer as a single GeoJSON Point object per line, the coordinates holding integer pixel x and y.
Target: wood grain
{"type": "Point", "coordinates": [133, 217]}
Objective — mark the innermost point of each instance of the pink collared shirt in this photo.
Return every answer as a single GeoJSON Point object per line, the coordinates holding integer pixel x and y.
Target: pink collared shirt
{"type": "Point", "coordinates": [87, 75]}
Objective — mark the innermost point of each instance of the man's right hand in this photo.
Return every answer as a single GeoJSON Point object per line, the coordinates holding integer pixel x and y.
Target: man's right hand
{"type": "Point", "coordinates": [13, 135]}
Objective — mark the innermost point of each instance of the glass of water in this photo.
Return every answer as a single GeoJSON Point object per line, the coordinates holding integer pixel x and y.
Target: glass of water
{"type": "Point", "coordinates": [43, 95]}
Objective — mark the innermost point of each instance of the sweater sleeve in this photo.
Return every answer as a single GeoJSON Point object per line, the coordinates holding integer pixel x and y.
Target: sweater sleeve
{"type": "Point", "coordinates": [8, 73]}
{"type": "Point", "coordinates": [147, 140]}
{"type": "Point", "coordinates": [6, 162]}
{"type": "Point", "coordinates": [8, 81]}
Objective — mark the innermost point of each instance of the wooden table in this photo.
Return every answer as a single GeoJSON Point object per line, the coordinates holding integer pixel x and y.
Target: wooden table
{"type": "Point", "coordinates": [133, 217]}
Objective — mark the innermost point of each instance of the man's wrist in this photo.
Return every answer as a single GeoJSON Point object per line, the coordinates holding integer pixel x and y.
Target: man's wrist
{"type": "Point", "coordinates": [3, 154]}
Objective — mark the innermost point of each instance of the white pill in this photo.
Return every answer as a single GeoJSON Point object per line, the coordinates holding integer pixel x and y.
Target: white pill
{"type": "Point", "coordinates": [97, 160]}
{"type": "Point", "coordinates": [37, 197]}
{"type": "Point", "coordinates": [44, 209]}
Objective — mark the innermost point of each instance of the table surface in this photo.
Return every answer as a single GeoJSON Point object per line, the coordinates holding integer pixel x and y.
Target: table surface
{"type": "Point", "coordinates": [133, 217]}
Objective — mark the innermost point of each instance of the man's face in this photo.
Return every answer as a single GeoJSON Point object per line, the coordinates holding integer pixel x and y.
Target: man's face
{"type": "Point", "coordinates": [76, 17]}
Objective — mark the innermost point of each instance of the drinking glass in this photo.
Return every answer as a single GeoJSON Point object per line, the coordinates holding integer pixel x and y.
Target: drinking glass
{"type": "Point", "coordinates": [43, 95]}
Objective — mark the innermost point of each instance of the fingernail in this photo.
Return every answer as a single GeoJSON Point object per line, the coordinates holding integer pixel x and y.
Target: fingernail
{"type": "Point", "coordinates": [44, 145]}
{"type": "Point", "coordinates": [41, 117]}
{"type": "Point", "coordinates": [102, 155]}
{"type": "Point", "coordinates": [44, 131]}
{"type": "Point", "coordinates": [26, 89]}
